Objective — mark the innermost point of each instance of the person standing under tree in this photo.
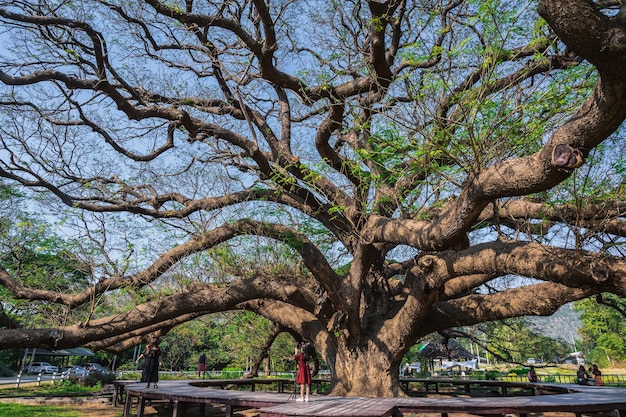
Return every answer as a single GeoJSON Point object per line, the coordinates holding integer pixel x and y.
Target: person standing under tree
{"type": "Point", "coordinates": [152, 355]}
{"type": "Point", "coordinates": [202, 365]}
{"type": "Point", "coordinates": [303, 376]}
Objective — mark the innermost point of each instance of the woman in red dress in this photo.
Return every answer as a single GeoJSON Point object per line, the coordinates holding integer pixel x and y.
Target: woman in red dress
{"type": "Point", "coordinates": [303, 377]}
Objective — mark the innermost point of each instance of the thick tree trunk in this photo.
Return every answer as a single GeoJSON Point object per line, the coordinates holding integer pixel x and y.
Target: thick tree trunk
{"type": "Point", "coordinates": [368, 372]}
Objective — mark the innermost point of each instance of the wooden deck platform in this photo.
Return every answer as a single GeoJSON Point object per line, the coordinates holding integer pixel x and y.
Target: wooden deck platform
{"type": "Point", "coordinates": [335, 407]}
{"type": "Point", "coordinates": [575, 399]}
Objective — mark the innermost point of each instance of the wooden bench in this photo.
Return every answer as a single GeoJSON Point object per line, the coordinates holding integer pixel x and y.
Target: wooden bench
{"type": "Point", "coordinates": [467, 384]}
{"type": "Point", "coordinates": [282, 384]}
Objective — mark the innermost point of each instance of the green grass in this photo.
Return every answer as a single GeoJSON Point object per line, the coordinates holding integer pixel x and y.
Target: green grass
{"type": "Point", "coordinates": [64, 388]}
{"type": "Point", "coordinates": [21, 410]}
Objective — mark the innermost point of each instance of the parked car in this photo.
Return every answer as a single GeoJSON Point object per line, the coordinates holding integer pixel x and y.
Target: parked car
{"type": "Point", "coordinates": [42, 367]}
{"type": "Point", "coordinates": [95, 367]}
{"type": "Point", "coordinates": [75, 371]}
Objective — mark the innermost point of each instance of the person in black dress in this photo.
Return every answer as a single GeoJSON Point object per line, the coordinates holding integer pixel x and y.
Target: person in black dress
{"type": "Point", "coordinates": [152, 355]}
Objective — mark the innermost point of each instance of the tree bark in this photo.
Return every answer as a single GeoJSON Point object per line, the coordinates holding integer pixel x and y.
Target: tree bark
{"type": "Point", "coordinates": [367, 372]}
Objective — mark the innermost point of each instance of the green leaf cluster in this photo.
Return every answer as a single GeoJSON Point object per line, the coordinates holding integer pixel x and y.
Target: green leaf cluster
{"type": "Point", "coordinates": [34, 255]}
{"type": "Point", "coordinates": [603, 330]}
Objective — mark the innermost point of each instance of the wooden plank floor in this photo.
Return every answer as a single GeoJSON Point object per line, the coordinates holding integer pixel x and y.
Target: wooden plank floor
{"type": "Point", "coordinates": [338, 407]}
{"type": "Point", "coordinates": [587, 399]}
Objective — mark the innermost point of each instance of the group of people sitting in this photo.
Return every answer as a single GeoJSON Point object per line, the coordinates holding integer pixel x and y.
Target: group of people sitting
{"type": "Point", "coordinates": [582, 376]}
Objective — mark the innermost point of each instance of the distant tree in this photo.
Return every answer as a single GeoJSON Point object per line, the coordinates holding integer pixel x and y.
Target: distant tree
{"type": "Point", "coordinates": [362, 173]}
{"type": "Point", "coordinates": [30, 249]}
{"type": "Point", "coordinates": [515, 340]}
{"type": "Point", "coordinates": [603, 329]}
{"type": "Point", "coordinates": [178, 347]}
{"type": "Point", "coordinates": [413, 356]}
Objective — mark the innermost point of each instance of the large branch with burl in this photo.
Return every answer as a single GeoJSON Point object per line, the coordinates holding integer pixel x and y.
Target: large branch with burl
{"type": "Point", "coordinates": [566, 157]}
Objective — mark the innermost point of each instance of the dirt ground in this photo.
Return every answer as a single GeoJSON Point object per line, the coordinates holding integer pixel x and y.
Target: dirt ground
{"type": "Point", "coordinates": [100, 409]}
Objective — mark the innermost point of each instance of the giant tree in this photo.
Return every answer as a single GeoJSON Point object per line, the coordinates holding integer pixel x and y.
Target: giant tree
{"type": "Point", "coordinates": [362, 173]}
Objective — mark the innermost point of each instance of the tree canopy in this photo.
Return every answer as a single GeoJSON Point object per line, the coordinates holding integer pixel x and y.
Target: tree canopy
{"type": "Point", "coordinates": [361, 173]}
{"type": "Point", "coordinates": [602, 329]}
